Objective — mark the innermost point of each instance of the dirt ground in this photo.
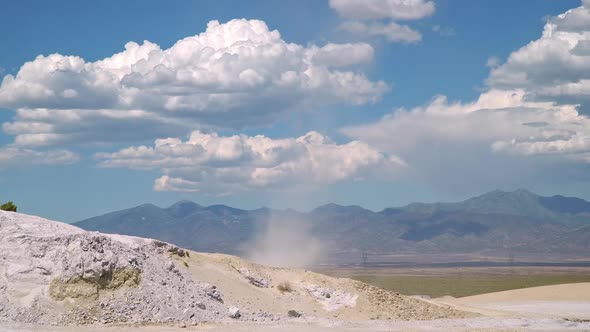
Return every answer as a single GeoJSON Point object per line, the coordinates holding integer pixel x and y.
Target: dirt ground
{"type": "Point", "coordinates": [462, 281]}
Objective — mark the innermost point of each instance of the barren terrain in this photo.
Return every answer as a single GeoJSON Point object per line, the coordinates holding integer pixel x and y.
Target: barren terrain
{"type": "Point", "coordinates": [56, 277]}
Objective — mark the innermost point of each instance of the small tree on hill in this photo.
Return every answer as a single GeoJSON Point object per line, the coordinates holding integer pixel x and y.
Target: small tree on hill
{"type": "Point", "coordinates": [9, 206]}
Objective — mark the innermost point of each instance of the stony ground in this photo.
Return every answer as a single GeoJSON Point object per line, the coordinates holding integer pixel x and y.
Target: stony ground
{"type": "Point", "coordinates": [56, 274]}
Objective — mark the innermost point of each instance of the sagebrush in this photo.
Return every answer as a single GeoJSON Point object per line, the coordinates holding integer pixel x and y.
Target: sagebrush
{"type": "Point", "coordinates": [8, 206]}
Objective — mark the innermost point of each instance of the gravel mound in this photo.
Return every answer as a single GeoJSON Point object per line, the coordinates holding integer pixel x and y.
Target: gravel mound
{"type": "Point", "coordinates": [53, 273]}
{"type": "Point", "coordinates": [331, 299]}
{"type": "Point", "coordinates": [57, 274]}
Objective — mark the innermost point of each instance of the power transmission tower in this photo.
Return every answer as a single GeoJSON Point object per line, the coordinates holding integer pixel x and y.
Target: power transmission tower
{"type": "Point", "coordinates": [364, 257]}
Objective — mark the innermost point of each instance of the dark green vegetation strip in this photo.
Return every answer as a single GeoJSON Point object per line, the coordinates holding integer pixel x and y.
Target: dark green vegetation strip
{"type": "Point", "coordinates": [459, 286]}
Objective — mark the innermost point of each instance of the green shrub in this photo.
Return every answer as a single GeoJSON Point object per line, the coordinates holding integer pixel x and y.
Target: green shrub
{"type": "Point", "coordinates": [9, 206]}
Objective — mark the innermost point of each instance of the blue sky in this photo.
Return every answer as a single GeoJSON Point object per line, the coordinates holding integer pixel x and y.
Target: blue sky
{"type": "Point", "coordinates": [396, 58]}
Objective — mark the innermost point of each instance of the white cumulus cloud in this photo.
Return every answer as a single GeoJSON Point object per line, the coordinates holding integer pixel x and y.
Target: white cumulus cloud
{"type": "Point", "coordinates": [12, 156]}
{"type": "Point", "coordinates": [531, 126]}
{"type": "Point", "coordinates": [234, 74]}
{"type": "Point", "coordinates": [391, 31]}
{"type": "Point", "coordinates": [499, 139]}
{"type": "Point", "coordinates": [166, 183]}
{"type": "Point", "coordinates": [378, 9]}
{"type": "Point", "coordinates": [501, 120]}
{"type": "Point", "coordinates": [555, 66]}
{"type": "Point", "coordinates": [222, 163]}
{"type": "Point", "coordinates": [377, 18]}
{"type": "Point", "coordinates": [342, 55]}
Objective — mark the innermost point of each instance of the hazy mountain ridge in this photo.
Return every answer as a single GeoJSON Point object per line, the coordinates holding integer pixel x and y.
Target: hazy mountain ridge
{"type": "Point", "coordinates": [519, 202]}
{"type": "Point", "coordinates": [495, 222]}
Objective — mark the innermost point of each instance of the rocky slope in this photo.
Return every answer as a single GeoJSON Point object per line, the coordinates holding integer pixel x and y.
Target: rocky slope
{"type": "Point", "coordinates": [54, 273]}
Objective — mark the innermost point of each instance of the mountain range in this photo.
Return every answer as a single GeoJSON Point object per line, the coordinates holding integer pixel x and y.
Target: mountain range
{"type": "Point", "coordinates": [497, 224]}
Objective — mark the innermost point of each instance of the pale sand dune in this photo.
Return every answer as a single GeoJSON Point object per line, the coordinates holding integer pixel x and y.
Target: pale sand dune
{"type": "Point", "coordinates": [565, 301]}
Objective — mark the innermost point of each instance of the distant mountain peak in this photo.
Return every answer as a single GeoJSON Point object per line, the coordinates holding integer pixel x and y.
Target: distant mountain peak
{"type": "Point", "coordinates": [518, 202]}
{"type": "Point", "coordinates": [183, 208]}
{"type": "Point", "coordinates": [224, 209]}
{"type": "Point", "coordinates": [329, 206]}
{"type": "Point", "coordinates": [526, 192]}
{"type": "Point", "coordinates": [337, 208]}
{"type": "Point", "coordinates": [146, 206]}
{"type": "Point", "coordinates": [563, 204]}
{"type": "Point", "coordinates": [508, 194]}
{"type": "Point", "coordinates": [184, 202]}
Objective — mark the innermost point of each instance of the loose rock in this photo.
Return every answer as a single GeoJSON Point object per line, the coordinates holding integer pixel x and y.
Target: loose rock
{"type": "Point", "coordinates": [234, 312]}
